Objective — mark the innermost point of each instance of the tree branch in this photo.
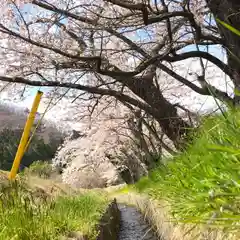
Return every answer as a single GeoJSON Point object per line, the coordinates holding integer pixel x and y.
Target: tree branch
{"type": "Point", "coordinates": [167, 15]}
{"type": "Point", "coordinates": [193, 54]}
{"type": "Point", "coordinates": [89, 89]}
{"type": "Point", "coordinates": [41, 45]}
{"type": "Point", "coordinates": [127, 5]}
{"type": "Point", "coordinates": [207, 90]}
{"type": "Point", "coordinates": [64, 12]}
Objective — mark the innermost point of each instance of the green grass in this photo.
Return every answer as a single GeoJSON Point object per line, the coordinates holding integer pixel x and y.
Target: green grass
{"type": "Point", "coordinates": [202, 184]}
{"type": "Point", "coordinates": [25, 216]}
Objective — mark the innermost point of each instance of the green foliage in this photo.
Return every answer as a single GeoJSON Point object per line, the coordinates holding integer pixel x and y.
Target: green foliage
{"type": "Point", "coordinates": [229, 27]}
{"type": "Point", "coordinates": [41, 169]}
{"type": "Point", "coordinates": [202, 184]}
{"type": "Point", "coordinates": [9, 140]}
{"type": "Point", "coordinates": [23, 216]}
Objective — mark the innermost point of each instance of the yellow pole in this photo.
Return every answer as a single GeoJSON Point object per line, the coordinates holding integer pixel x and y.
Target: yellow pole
{"type": "Point", "coordinates": [25, 136]}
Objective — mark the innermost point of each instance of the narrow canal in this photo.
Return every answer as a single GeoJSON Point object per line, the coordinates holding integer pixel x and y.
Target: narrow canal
{"type": "Point", "coordinates": [133, 226]}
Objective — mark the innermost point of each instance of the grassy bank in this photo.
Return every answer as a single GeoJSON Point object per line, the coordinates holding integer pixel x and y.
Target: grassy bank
{"type": "Point", "coordinates": [202, 185]}
{"type": "Point", "coordinates": [31, 214]}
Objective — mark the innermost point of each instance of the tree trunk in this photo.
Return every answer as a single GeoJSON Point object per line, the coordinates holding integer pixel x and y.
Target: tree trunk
{"type": "Point", "coordinates": [162, 110]}
{"type": "Point", "coordinates": [229, 12]}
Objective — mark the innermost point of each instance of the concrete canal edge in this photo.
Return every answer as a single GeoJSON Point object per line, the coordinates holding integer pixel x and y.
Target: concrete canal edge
{"type": "Point", "coordinates": [110, 223]}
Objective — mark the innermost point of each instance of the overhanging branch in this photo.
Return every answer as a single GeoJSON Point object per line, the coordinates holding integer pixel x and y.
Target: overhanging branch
{"type": "Point", "coordinates": [208, 90]}
{"type": "Point", "coordinates": [199, 54]}
{"type": "Point", "coordinates": [90, 89]}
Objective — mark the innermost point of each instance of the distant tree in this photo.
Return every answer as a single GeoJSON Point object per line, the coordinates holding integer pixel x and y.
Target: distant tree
{"type": "Point", "coordinates": [38, 150]}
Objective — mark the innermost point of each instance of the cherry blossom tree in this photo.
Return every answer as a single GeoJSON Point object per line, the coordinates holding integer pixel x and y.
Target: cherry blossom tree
{"type": "Point", "coordinates": [105, 50]}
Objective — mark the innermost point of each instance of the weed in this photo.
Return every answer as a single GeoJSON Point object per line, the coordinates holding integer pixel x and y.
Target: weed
{"type": "Point", "coordinates": [23, 216]}
{"type": "Point", "coordinates": [202, 184]}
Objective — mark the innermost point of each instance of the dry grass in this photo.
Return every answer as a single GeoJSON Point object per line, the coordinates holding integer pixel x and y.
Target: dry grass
{"type": "Point", "coordinates": [3, 176]}
{"type": "Point", "coordinates": [45, 188]}
{"type": "Point", "coordinates": [158, 216]}
{"type": "Point", "coordinates": [52, 187]}
{"type": "Point", "coordinates": [39, 187]}
{"type": "Point", "coordinates": [49, 186]}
